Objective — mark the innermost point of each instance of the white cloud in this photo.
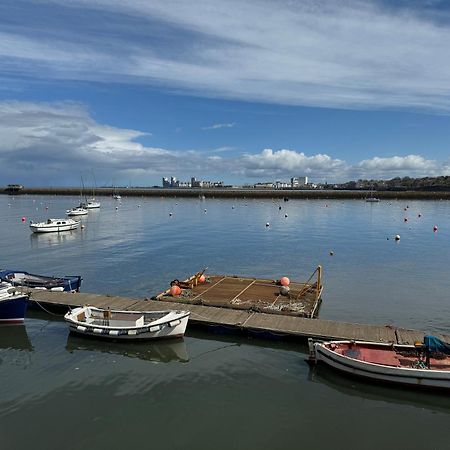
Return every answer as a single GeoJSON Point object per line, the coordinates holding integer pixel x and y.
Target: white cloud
{"type": "Point", "coordinates": [290, 162]}
{"type": "Point", "coordinates": [346, 54]}
{"type": "Point", "coordinates": [217, 126]}
{"type": "Point", "coordinates": [50, 144]}
{"type": "Point", "coordinates": [410, 165]}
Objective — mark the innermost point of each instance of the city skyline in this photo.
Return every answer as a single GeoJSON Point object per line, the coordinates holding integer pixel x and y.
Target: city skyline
{"type": "Point", "coordinates": [237, 92]}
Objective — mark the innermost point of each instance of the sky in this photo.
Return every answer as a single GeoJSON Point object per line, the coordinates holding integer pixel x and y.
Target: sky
{"type": "Point", "coordinates": [122, 93]}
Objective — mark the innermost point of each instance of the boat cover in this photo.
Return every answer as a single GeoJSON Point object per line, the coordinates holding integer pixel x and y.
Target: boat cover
{"type": "Point", "coordinates": [435, 345]}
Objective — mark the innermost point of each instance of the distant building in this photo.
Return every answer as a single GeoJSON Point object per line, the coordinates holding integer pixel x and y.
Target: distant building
{"type": "Point", "coordinates": [194, 183]}
{"type": "Point", "coordinates": [263, 185]}
{"type": "Point", "coordinates": [282, 185]}
{"type": "Point", "coordinates": [298, 182]}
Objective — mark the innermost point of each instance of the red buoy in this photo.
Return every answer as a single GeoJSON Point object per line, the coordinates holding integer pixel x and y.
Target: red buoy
{"type": "Point", "coordinates": [23, 219]}
{"type": "Point", "coordinates": [284, 281]}
{"type": "Point", "coordinates": [175, 290]}
{"type": "Point", "coordinates": [202, 279]}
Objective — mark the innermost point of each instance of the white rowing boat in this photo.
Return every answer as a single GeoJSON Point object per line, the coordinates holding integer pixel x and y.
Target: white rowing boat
{"type": "Point", "coordinates": [115, 324]}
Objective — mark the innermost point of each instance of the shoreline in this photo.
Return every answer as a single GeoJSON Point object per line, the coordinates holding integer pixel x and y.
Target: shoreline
{"type": "Point", "coordinates": [237, 193]}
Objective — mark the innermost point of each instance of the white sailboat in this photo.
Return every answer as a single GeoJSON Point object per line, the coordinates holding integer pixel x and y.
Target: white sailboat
{"type": "Point", "coordinates": [372, 198]}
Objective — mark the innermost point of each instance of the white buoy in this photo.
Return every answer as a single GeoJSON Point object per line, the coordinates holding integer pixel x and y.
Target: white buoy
{"type": "Point", "coordinates": [267, 224]}
{"type": "Point", "coordinates": [284, 290]}
{"type": "Point", "coordinates": [170, 214]}
{"type": "Point", "coordinates": [285, 215]}
{"type": "Point", "coordinates": [117, 208]}
{"type": "Point", "coordinates": [397, 237]}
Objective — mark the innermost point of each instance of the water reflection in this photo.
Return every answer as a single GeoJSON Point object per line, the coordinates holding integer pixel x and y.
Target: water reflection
{"type": "Point", "coordinates": [14, 337]}
{"type": "Point", "coordinates": [156, 351]}
{"type": "Point", "coordinates": [371, 390]}
{"type": "Point", "coordinates": [42, 240]}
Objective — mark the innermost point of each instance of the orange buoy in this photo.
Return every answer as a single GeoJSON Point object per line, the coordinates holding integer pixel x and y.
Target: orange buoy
{"type": "Point", "coordinates": [202, 279]}
{"type": "Point", "coordinates": [175, 290]}
{"type": "Point", "coordinates": [285, 281]}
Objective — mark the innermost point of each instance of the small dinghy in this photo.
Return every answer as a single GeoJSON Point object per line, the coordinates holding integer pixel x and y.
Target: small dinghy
{"type": "Point", "coordinates": [13, 305]}
{"type": "Point", "coordinates": [25, 279]}
{"type": "Point", "coordinates": [113, 324]}
{"type": "Point", "coordinates": [424, 364]}
{"type": "Point", "coordinates": [54, 225]}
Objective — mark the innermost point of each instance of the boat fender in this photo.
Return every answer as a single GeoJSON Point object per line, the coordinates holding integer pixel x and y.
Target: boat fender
{"type": "Point", "coordinates": [154, 329]}
{"type": "Point", "coordinates": [98, 330]}
{"type": "Point", "coordinates": [114, 332]}
{"type": "Point", "coordinates": [81, 328]}
{"type": "Point", "coordinates": [132, 332]}
{"type": "Point", "coordinates": [174, 323]}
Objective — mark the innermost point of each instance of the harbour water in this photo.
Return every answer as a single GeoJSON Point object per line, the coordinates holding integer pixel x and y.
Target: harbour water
{"type": "Point", "coordinates": [214, 390]}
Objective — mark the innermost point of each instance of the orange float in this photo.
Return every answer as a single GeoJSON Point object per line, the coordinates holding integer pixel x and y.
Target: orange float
{"type": "Point", "coordinates": [175, 291]}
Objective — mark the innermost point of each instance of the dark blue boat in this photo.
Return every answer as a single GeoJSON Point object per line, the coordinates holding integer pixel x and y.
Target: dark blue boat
{"type": "Point", "coordinates": [12, 305]}
{"type": "Point", "coordinates": [25, 279]}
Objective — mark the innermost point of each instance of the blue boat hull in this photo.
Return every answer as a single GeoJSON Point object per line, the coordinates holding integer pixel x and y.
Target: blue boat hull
{"type": "Point", "coordinates": [13, 310]}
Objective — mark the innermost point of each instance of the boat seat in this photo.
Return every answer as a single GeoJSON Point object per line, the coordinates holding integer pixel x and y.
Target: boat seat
{"type": "Point", "coordinates": [81, 317]}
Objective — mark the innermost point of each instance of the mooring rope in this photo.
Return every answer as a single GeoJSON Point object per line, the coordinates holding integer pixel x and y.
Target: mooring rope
{"type": "Point", "coordinates": [46, 310]}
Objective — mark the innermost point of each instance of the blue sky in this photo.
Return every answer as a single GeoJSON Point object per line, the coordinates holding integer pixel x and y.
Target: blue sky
{"type": "Point", "coordinates": [234, 91]}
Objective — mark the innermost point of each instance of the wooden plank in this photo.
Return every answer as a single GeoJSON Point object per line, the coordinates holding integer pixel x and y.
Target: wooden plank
{"type": "Point", "coordinates": [243, 319]}
{"type": "Point", "coordinates": [315, 328]}
{"type": "Point", "coordinates": [408, 337]}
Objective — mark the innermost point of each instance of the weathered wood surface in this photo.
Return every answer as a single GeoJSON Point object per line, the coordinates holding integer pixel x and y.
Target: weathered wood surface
{"type": "Point", "coordinates": [241, 320]}
{"type": "Point", "coordinates": [249, 293]}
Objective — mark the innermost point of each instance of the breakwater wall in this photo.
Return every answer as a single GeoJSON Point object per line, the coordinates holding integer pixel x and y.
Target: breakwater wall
{"type": "Point", "coordinates": [238, 193]}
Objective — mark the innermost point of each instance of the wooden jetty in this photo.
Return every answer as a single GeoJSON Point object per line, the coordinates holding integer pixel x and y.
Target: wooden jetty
{"type": "Point", "coordinates": [249, 293]}
{"type": "Point", "coordinates": [244, 321]}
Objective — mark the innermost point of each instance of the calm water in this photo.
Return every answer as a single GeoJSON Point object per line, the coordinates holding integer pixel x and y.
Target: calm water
{"type": "Point", "coordinates": [215, 391]}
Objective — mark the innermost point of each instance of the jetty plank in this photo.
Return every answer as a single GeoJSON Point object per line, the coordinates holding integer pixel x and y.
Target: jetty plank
{"type": "Point", "coordinates": [319, 329]}
{"type": "Point", "coordinates": [241, 320]}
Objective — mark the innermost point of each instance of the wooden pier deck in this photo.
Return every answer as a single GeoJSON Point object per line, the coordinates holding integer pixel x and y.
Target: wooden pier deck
{"type": "Point", "coordinates": [259, 323]}
{"type": "Point", "coordinates": [249, 293]}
